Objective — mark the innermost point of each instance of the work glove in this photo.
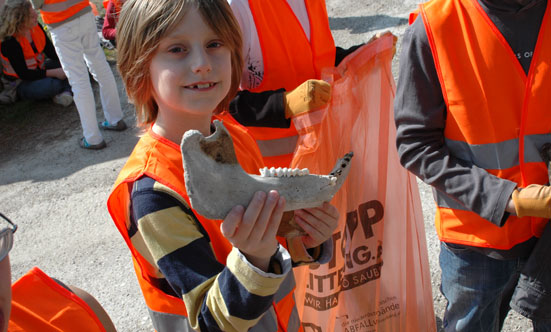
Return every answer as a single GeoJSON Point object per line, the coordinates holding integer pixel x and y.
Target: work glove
{"type": "Point", "coordinates": [533, 201]}
{"type": "Point", "coordinates": [310, 95]}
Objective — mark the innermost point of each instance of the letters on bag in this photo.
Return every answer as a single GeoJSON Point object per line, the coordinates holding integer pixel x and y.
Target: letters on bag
{"type": "Point", "coordinates": [378, 278]}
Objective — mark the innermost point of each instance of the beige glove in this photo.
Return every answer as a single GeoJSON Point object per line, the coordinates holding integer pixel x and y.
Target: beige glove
{"type": "Point", "coordinates": [533, 201]}
{"type": "Point", "coordinates": [310, 95]}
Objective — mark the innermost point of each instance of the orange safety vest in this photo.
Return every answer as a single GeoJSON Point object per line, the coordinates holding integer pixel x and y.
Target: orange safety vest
{"type": "Point", "coordinates": [161, 160]}
{"type": "Point", "coordinates": [289, 59]}
{"type": "Point", "coordinates": [34, 60]}
{"type": "Point", "coordinates": [497, 117]}
{"type": "Point", "coordinates": [41, 304]}
{"type": "Point", "coordinates": [56, 11]}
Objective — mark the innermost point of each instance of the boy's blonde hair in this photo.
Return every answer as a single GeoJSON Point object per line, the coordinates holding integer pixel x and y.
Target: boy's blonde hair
{"type": "Point", "coordinates": [12, 16]}
{"type": "Point", "coordinates": [141, 26]}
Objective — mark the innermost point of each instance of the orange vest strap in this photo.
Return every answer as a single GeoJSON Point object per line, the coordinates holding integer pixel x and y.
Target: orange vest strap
{"type": "Point", "coordinates": [41, 304]}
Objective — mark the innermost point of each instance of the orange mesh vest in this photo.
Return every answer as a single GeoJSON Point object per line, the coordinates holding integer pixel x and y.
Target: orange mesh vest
{"type": "Point", "coordinates": [56, 11]}
{"type": "Point", "coordinates": [289, 59]}
{"type": "Point", "coordinates": [161, 160]}
{"type": "Point", "coordinates": [33, 59]}
{"type": "Point", "coordinates": [41, 304]}
{"type": "Point", "coordinates": [497, 117]}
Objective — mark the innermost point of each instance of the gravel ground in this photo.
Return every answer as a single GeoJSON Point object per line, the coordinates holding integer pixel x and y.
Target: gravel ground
{"type": "Point", "coordinates": [57, 192]}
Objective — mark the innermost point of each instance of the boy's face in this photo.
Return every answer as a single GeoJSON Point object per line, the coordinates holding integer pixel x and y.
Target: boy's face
{"type": "Point", "coordinates": [191, 69]}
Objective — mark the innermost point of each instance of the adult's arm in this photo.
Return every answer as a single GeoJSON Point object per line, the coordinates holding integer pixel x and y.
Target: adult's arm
{"type": "Point", "coordinates": [420, 115]}
{"type": "Point", "coordinates": [262, 109]}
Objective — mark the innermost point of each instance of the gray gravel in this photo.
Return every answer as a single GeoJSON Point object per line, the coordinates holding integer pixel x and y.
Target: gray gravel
{"type": "Point", "coordinates": [57, 192]}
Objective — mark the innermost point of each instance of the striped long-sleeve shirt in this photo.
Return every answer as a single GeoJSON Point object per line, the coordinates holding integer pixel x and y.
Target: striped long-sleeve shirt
{"type": "Point", "coordinates": [231, 297]}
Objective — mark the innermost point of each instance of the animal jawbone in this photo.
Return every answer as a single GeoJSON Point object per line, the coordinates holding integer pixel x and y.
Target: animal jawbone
{"type": "Point", "coordinates": [215, 182]}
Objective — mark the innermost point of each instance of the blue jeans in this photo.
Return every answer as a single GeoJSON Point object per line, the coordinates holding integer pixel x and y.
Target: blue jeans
{"type": "Point", "coordinates": [478, 290]}
{"type": "Point", "coordinates": [45, 88]}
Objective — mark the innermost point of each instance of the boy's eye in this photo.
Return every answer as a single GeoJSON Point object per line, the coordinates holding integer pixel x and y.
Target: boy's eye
{"type": "Point", "coordinates": [215, 44]}
{"type": "Point", "coordinates": [176, 49]}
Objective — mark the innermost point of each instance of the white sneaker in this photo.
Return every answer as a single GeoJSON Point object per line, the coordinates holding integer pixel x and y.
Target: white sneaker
{"type": "Point", "coordinates": [64, 99]}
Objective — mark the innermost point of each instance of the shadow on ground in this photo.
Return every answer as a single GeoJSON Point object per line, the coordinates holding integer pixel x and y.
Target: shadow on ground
{"type": "Point", "coordinates": [364, 24]}
{"type": "Point", "coordinates": [39, 140]}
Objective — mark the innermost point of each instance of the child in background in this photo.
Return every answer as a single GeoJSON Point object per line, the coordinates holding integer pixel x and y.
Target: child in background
{"type": "Point", "coordinates": [37, 302]}
{"type": "Point", "coordinates": [181, 63]}
{"type": "Point", "coordinates": [112, 12]}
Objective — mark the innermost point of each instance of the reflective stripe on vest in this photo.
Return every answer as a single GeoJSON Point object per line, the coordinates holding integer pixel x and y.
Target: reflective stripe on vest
{"type": "Point", "coordinates": [161, 159]}
{"type": "Point", "coordinates": [288, 62]}
{"type": "Point", "coordinates": [496, 126]}
{"type": "Point", "coordinates": [33, 60]}
{"type": "Point", "coordinates": [56, 11]}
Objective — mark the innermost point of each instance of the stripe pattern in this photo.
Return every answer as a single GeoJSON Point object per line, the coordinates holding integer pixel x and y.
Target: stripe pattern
{"type": "Point", "coordinates": [235, 297]}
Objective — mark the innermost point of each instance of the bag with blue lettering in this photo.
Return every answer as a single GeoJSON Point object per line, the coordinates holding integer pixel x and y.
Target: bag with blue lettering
{"type": "Point", "coordinates": [378, 278]}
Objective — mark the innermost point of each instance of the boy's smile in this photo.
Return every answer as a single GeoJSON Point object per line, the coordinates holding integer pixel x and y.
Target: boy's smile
{"type": "Point", "coordinates": [191, 70]}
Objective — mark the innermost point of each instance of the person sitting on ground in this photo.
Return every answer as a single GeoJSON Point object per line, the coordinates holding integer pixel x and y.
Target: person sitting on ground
{"type": "Point", "coordinates": [37, 302]}
{"type": "Point", "coordinates": [112, 12]}
{"type": "Point", "coordinates": [30, 64]}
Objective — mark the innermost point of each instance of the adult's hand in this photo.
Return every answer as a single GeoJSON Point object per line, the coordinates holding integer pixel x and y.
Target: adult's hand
{"type": "Point", "coordinates": [253, 230]}
{"type": "Point", "coordinates": [57, 73]}
{"type": "Point", "coordinates": [533, 201]}
{"type": "Point", "coordinates": [309, 96]}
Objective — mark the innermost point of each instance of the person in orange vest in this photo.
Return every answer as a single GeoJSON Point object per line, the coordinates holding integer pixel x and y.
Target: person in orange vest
{"type": "Point", "coordinates": [112, 12]}
{"type": "Point", "coordinates": [30, 64]}
{"type": "Point", "coordinates": [73, 30]}
{"type": "Point", "coordinates": [37, 302]}
{"type": "Point", "coordinates": [284, 58]}
{"type": "Point", "coordinates": [471, 112]}
{"type": "Point", "coordinates": [181, 63]}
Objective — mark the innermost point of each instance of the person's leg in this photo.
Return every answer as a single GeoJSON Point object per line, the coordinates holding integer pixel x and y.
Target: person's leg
{"type": "Point", "coordinates": [67, 41]}
{"type": "Point", "coordinates": [542, 326]}
{"type": "Point", "coordinates": [95, 59]}
{"type": "Point", "coordinates": [45, 88]}
{"type": "Point", "coordinates": [475, 287]}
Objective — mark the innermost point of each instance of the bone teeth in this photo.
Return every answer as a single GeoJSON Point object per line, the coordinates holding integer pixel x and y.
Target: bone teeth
{"type": "Point", "coordinates": [283, 172]}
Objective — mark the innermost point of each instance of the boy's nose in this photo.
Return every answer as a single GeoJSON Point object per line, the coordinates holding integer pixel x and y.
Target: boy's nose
{"type": "Point", "coordinates": [200, 62]}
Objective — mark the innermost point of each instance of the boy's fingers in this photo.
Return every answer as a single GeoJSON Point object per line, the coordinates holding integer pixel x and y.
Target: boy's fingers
{"type": "Point", "coordinates": [259, 228]}
{"type": "Point", "coordinates": [275, 220]}
{"type": "Point", "coordinates": [251, 214]}
{"type": "Point", "coordinates": [232, 221]}
{"type": "Point", "coordinates": [313, 232]}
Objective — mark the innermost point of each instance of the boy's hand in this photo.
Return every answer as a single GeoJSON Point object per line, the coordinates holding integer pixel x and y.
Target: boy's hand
{"type": "Point", "coordinates": [319, 223]}
{"type": "Point", "coordinates": [253, 230]}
